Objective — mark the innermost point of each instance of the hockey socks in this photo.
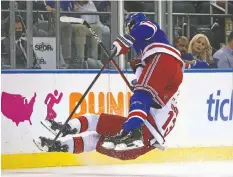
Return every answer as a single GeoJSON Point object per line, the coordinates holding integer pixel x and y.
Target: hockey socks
{"type": "Point", "coordinates": [140, 104]}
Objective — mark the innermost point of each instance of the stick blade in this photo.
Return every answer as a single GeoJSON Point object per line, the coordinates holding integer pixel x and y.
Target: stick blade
{"type": "Point", "coordinates": [71, 19]}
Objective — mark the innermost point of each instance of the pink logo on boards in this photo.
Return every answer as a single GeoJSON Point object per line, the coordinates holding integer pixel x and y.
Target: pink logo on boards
{"type": "Point", "coordinates": [50, 100]}
{"type": "Point", "coordinates": [16, 107]}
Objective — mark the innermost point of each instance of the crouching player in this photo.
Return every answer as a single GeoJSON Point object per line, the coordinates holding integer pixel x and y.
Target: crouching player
{"type": "Point", "coordinates": [152, 114]}
{"type": "Point", "coordinates": [95, 133]}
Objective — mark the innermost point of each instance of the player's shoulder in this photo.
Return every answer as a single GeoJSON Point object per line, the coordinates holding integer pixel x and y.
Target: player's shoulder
{"type": "Point", "coordinates": [147, 23]}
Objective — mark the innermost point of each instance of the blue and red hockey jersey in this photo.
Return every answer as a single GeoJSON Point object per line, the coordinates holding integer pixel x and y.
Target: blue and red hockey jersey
{"type": "Point", "coordinates": [150, 39]}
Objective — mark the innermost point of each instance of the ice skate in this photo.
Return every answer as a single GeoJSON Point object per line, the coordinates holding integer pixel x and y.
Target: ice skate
{"type": "Point", "coordinates": [44, 144]}
{"type": "Point", "coordinates": [110, 142]}
{"type": "Point", "coordinates": [54, 127]}
{"type": "Point", "coordinates": [125, 141]}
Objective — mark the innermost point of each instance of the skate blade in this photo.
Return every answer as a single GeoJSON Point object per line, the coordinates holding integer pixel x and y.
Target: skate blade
{"type": "Point", "coordinates": [38, 145]}
{"type": "Point", "coordinates": [135, 145]}
{"type": "Point", "coordinates": [46, 124]}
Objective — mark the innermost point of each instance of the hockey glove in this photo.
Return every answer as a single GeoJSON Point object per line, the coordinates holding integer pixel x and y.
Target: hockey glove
{"type": "Point", "coordinates": [122, 44]}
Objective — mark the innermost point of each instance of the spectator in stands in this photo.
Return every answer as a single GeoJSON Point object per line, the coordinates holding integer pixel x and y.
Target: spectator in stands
{"type": "Point", "coordinates": [66, 28]}
{"type": "Point", "coordinates": [81, 31]}
{"type": "Point", "coordinates": [225, 54]}
{"type": "Point", "coordinates": [21, 5]}
{"type": "Point", "coordinates": [21, 44]}
{"type": "Point", "coordinates": [182, 43]}
{"type": "Point", "coordinates": [40, 20]}
{"type": "Point", "coordinates": [201, 49]}
{"type": "Point", "coordinates": [105, 6]}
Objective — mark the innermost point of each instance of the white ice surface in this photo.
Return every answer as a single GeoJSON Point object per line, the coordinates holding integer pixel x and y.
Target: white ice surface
{"type": "Point", "coordinates": [200, 169]}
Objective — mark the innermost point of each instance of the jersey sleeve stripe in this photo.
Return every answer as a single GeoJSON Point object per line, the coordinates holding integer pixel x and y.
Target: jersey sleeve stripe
{"type": "Point", "coordinates": [149, 24]}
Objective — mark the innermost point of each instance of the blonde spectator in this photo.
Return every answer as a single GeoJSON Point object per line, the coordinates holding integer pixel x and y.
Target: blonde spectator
{"type": "Point", "coordinates": [200, 47]}
{"type": "Point", "coordinates": [182, 43]}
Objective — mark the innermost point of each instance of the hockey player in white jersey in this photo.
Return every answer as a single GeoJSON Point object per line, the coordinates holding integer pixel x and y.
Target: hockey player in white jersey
{"type": "Point", "coordinates": [89, 132]}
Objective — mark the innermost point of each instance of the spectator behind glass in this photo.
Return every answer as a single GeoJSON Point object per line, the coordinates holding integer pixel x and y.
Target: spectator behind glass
{"type": "Point", "coordinates": [81, 31]}
{"type": "Point", "coordinates": [89, 6]}
{"type": "Point", "coordinates": [66, 28]}
{"type": "Point", "coordinates": [21, 44]}
{"type": "Point", "coordinates": [105, 6]}
{"type": "Point", "coordinates": [182, 43]}
{"type": "Point", "coordinates": [225, 54]}
{"type": "Point", "coordinates": [201, 49]}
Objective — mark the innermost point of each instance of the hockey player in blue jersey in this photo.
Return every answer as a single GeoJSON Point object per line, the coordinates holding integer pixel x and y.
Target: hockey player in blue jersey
{"type": "Point", "coordinates": [159, 73]}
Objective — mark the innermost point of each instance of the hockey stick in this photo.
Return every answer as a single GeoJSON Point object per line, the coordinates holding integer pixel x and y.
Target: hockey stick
{"type": "Point", "coordinates": [81, 21]}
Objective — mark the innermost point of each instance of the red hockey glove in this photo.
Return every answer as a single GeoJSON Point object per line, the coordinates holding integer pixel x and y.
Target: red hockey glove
{"type": "Point", "coordinates": [135, 63]}
{"type": "Point", "coordinates": [122, 44]}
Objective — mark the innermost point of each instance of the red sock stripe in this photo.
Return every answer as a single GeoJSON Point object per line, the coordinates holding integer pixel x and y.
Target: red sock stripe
{"type": "Point", "coordinates": [84, 123]}
{"type": "Point", "coordinates": [137, 114]}
{"type": "Point", "coordinates": [78, 145]}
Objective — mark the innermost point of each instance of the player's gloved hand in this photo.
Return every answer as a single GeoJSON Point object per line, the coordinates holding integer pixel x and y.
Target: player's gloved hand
{"type": "Point", "coordinates": [122, 44]}
{"type": "Point", "coordinates": [134, 64]}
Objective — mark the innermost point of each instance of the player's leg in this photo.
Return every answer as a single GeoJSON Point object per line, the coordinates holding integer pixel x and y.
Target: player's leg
{"type": "Point", "coordinates": [77, 125]}
{"type": "Point", "coordinates": [140, 104]}
{"type": "Point", "coordinates": [131, 134]}
{"type": "Point", "coordinates": [109, 125]}
{"type": "Point", "coordinates": [85, 142]}
{"type": "Point", "coordinates": [158, 82]}
{"type": "Point", "coordinates": [105, 125]}
{"type": "Point", "coordinates": [166, 117]}
{"type": "Point", "coordinates": [163, 122]}
{"type": "Point", "coordinates": [162, 77]}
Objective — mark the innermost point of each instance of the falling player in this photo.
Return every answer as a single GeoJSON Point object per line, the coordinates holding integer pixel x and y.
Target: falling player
{"type": "Point", "coordinates": [152, 113]}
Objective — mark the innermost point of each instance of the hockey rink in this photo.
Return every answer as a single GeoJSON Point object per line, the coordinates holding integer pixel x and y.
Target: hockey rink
{"type": "Point", "coordinates": [197, 169]}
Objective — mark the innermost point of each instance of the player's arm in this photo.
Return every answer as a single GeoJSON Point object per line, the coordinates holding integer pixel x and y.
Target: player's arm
{"type": "Point", "coordinates": [122, 44]}
{"type": "Point", "coordinates": [143, 31]}
{"type": "Point", "coordinates": [139, 32]}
